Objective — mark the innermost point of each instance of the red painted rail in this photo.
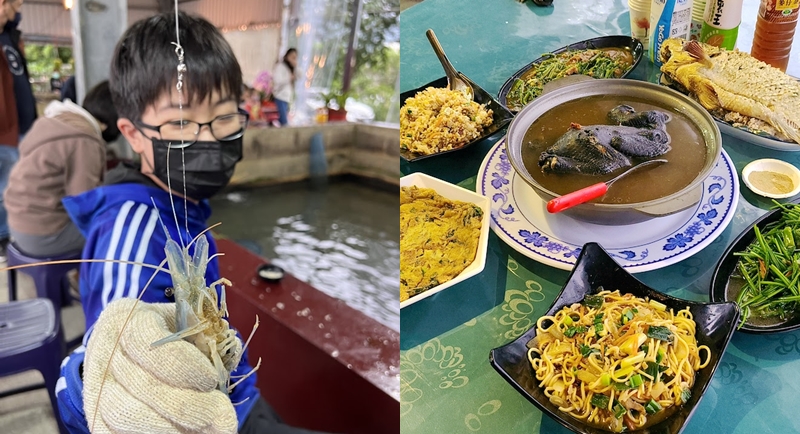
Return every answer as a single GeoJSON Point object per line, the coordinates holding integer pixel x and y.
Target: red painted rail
{"type": "Point", "coordinates": [324, 365]}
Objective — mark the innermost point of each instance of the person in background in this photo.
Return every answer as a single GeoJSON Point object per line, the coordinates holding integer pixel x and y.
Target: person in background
{"type": "Point", "coordinates": [68, 90]}
{"type": "Point", "coordinates": [64, 154]}
{"type": "Point", "coordinates": [56, 82]}
{"type": "Point", "coordinates": [283, 87]}
{"type": "Point", "coordinates": [18, 102]}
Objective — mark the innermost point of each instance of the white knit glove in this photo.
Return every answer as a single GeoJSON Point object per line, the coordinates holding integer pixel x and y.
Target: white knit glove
{"type": "Point", "coordinates": [171, 388]}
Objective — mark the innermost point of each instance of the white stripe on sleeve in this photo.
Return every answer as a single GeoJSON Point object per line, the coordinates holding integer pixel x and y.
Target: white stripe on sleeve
{"type": "Point", "coordinates": [127, 246]}
{"type": "Point", "coordinates": [108, 267]}
{"type": "Point", "coordinates": [141, 253]}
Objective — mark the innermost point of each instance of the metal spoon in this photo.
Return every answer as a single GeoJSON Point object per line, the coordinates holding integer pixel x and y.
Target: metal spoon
{"type": "Point", "coordinates": [455, 80]}
{"type": "Point", "coordinates": [593, 191]}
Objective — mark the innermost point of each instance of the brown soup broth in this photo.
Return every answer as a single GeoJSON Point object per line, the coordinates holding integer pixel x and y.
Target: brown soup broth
{"type": "Point", "coordinates": [685, 160]}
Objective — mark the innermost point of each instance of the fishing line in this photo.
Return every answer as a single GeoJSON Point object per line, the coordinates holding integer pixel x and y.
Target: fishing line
{"type": "Point", "coordinates": [179, 86]}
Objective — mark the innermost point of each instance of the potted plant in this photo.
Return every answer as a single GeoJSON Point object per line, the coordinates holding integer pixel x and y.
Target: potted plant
{"type": "Point", "coordinates": [337, 113]}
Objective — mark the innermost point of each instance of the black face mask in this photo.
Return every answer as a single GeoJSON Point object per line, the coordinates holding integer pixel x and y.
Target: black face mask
{"type": "Point", "coordinates": [209, 166]}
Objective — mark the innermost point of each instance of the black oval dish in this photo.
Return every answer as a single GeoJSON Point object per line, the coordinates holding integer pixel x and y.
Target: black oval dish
{"type": "Point", "coordinates": [500, 115]}
{"type": "Point", "coordinates": [619, 41]}
{"type": "Point", "coordinates": [715, 326]}
{"type": "Point", "coordinates": [727, 264]}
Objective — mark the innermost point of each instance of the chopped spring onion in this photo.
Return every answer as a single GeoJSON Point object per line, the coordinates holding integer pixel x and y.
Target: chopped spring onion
{"type": "Point", "coordinates": [652, 370]}
{"type": "Point", "coordinates": [657, 305]}
{"type": "Point", "coordinates": [660, 332]}
{"type": "Point", "coordinates": [605, 379]}
{"type": "Point", "coordinates": [652, 407]}
{"type": "Point", "coordinates": [660, 355]}
{"type": "Point", "coordinates": [619, 410]}
{"type": "Point", "coordinates": [685, 395]}
{"type": "Point", "coordinates": [593, 301]}
{"type": "Point", "coordinates": [571, 331]}
{"type": "Point", "coordinates": [627, 315]}
{"type": "Point", "coordinates": [621, 386]}
{"type": "Point", "coordinates": [587, 350]}
{"type": "Point", "coordinates": [635, 381]}
{"type": "Point", "coordinates": [600, 401]}
{"type": "Point", "coordinates": [598, 323]}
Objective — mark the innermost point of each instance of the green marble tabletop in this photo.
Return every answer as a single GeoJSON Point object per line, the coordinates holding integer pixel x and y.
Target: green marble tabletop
{"type": "Point", "coordinates": [447, 384]}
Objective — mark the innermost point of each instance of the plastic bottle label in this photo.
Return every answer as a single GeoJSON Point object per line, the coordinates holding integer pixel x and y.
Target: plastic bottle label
{"type": "Point", "coordinates": [784, 5]}
{"type": "Point", "coordinates": [668, 19]}
{"type": "Point", "coordinates": [721, 23]}
{"type": "Point", "coordinates": [725, 14]}
{"type": "Point", "coordinates": [779, 11]}
{"type": "Point", "coordinates": [723, 38]}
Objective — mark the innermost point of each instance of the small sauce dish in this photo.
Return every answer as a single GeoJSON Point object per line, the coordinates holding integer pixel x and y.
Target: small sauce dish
{"type": "Point", "coordinates": [271, 273]}
{"type": "Point", "coordinates": [772, 178]}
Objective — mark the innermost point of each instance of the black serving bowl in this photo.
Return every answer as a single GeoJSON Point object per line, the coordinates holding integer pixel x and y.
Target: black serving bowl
{"type": "Point", "coordinates": [500, 115]}
{"type": "Point", "coordinates": [618, 41]}
{"type": "Point", "coordinates": [727, 265]}
{"type": "Point", "coordinates": [595, 268]}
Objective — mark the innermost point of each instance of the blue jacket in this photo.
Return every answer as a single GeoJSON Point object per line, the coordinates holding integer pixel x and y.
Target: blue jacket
{"type": "Point", "coordinates": [120, 222]}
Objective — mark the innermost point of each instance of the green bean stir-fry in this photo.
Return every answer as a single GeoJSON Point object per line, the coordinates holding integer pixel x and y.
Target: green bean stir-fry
{"type": "Point", "coordinates": [770, 267]}
{"type": "Point", "coordinates": [597, 63]}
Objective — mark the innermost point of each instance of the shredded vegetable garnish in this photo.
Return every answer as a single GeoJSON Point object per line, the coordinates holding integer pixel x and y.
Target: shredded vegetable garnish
{"type": "Point", "coordinates": [597, 63]}
{"type": "Point", "coordinates": [770, 268]}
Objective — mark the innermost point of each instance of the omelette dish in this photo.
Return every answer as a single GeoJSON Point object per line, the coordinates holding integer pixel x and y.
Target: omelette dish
{"type": "Point", "coordinates": [617, 361]}
{"type": "Point", "coordinates": [438, 239]}
{"type": "Point", "coordinates": [735, 87]}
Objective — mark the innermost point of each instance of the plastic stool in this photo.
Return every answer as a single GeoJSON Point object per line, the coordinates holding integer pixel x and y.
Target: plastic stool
{"type": "Point", "coordinates": [31, 338]}
{"type": "Point", "coordinates": [51, 280]}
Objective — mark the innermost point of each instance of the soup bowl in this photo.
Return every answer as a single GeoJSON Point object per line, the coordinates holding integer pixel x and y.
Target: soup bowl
{"type": "Point", "coordinates": [573, 88]}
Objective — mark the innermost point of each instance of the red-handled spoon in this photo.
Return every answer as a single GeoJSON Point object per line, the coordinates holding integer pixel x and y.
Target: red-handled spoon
{"type": "Point", "coordinates": [593, 191]}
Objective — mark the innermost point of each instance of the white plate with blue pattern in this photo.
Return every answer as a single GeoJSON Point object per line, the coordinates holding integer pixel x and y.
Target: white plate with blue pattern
{"type": "Point", "coordinates": [520, 218]}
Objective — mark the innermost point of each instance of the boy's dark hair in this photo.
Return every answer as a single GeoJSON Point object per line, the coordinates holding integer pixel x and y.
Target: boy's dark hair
{"type": "Point", "coordinates": [99, 104]}
{"type": "Point", "coordinates": [144, 66]}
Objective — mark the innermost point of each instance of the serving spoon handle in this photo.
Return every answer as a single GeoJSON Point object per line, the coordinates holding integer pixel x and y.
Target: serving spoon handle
{"type": "Point", "coordinates": [593, 191]}
{"type": "Point", "coordinates": [454, 80]}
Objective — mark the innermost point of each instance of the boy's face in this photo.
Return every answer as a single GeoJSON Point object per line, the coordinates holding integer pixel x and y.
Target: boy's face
{"type": "Point", "coordinates": [166, 109]}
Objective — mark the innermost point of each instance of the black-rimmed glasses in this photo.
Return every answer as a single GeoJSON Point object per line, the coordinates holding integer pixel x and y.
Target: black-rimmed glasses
{"type": "Point", "coordinates": [184, 133]}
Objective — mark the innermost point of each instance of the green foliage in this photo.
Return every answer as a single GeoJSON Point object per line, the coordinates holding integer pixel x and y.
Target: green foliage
{"type": "Point", "coordinates": [376, 64]}
{"type": "Point", "coordinates": [375, 85]}
{"type": "Point", "coordinates": [43, 59]}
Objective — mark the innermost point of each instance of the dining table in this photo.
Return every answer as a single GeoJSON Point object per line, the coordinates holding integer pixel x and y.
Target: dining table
{"type": "Point", "coordinates": [447, 384]}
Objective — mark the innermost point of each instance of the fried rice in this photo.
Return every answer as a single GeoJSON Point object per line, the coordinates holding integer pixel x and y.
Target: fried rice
{"type": "Point", "coordinates": [437, 120]}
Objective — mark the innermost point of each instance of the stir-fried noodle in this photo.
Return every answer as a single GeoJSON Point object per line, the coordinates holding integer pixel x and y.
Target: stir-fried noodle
{"type": "Point", "coordinates": [616, 360]}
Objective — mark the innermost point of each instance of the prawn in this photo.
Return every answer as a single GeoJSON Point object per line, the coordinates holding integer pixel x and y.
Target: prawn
{"type": "Point", "coordinates": [200, 314]}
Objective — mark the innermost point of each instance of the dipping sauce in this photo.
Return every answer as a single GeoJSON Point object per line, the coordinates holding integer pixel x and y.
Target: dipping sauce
{"type": "Point", "coordinates": [685, 160]}
{"type": "Point", "coordinates": [771, 182]}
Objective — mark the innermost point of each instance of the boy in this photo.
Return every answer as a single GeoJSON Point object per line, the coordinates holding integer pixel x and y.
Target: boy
{"type": "Point", "coordinates": [120, 222]}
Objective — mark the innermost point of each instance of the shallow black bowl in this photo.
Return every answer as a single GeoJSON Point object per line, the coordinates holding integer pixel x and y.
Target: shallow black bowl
{"type": "Point", "coordinates": [500, 115]}
{"type": "Point", "coordinates": [727, 265]}
{"type": "Point", "coordinates": [594, 268]}
{"type": "Point", "coordinates": [619, 41]}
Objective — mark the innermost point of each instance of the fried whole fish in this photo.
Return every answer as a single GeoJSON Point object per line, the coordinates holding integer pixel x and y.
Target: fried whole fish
{"type": "Point", "coordinates": [601, 149]}
{"type": "Point", "coordinates": [733, 82]}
